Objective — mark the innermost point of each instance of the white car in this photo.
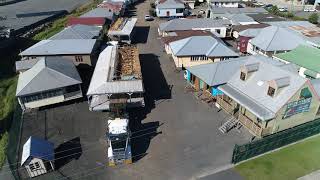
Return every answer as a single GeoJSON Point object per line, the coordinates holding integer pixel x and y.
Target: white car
{"type": "Point", "coordinates": [309, 10]}
{"type": "Point", "coordinates": [148, 18]}
{"type": "Point", "coordinates": [283, 9]}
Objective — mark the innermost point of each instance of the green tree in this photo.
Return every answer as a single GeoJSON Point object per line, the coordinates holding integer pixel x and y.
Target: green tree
{"type": "Point", "coordinates": [274, 10]}
{"type": "Point", "coordinates": [313, 18]}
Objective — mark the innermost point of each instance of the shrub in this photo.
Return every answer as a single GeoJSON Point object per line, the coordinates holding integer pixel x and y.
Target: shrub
{"type": "Point", "coordinates": [3, 148]}
{"type": "Point", "coordinates": [313, 18]}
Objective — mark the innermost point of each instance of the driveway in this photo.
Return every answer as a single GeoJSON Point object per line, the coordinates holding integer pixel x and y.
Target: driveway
{"type": "Point", "coordinates": [175, 136]}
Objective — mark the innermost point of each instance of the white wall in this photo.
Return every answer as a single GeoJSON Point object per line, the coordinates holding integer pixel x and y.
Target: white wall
{"type": "Point", "coordinates": [225, 4]}
{"type": "Point", "coordinates": [38, 172]}
{"type": "Point", "coordinates": [223, 30]}
{"type": "Point", "coordinates": [44, 102]}
{"type": "Point", "coordinates": [163, 12]}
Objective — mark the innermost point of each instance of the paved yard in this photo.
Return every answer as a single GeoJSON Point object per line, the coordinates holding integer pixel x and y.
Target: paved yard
{"type": "Point", "coordinates": [174, 137]}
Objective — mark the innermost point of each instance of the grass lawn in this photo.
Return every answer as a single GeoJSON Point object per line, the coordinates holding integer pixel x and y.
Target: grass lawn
{"type": "Point", "coordinates": [57, 25]}
{"type": "Point", "coordinates": [7, 104]}
{"type": "Point", "coordinates": [289, 163]}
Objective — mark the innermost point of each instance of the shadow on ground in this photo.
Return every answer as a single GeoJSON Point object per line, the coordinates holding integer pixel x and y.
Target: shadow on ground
{"type": "Point", "coordinates": [67, 152]}
{"type": "Point", "coordinates": [141, 34]}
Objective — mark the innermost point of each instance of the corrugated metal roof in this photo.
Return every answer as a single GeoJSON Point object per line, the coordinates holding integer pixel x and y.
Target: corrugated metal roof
{"type": "Point", "coordinates": [170, 4]}
{"type": "Point", "coordinates": [93, 21]}
{"type": "Point", "coordinates": [256, 86]}
{"type": "Point", "coordinates": [275, 38]}
{"type": "Point", "coordinates": [210, 47]}
{"type": "Point", "coordinates": [47, 74]}
{"type": "Point", "coordinates": [250, 32]}
{"type": "Point", "coordinates": [99, 12]}
{"type": "Point", "coordinates": [237, 19]}
{"type": "Point", "coordinates": [78, 31]}
{"type": "Point", "coordinates": [126, 29]}
{"type": "Point", "coordinates": [231, 10]}
{"type": "Point", "coordinates": [316, 85]}
{"type": "Point", "coordinates": [190, 24]}
{"type": "Point", "coordinates": [60, 47]}
{"type": "Point", "coordinates": [102, 79]}
{"type": "Point", "coordinates": [217, 73]}
{"type": "Point", "coordinates": [37, 148]}
{"type": "Point", "coordinates": [304, 56]}
{"type": "Point", "coordinates": [25, 64]}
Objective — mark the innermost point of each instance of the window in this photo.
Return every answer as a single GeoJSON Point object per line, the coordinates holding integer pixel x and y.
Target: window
{"type": "Point", "coordinates": [79, 59]}
{"type": "Point", "coordinates": [271, 91]}
{"type": "Point", "coordinates": [242, 76]}
{"type": "Point", "coordinates": [179, 10]}
{"type": "Point", "coordinates": [35, 166]}
{"type": "Point", "coordinates": [305, 93]}
{"type": "Point", "coordinates": [218, 31]}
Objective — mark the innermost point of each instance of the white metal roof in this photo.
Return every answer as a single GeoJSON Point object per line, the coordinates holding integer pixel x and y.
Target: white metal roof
{"type": "Point", "coordinates": [118, 126]}
{"type": "Point", "coordinates": [101, 81]}
{"type": "Point", "coordinates": [127, 28]}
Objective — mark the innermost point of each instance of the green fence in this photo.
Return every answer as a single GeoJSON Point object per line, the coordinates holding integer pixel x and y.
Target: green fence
{"type": "Point", "coordinates": [271, 142]}
{"type": "Point", "coordinates": [14, 141]}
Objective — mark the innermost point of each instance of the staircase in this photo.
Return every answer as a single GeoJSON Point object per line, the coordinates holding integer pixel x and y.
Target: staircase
{"type": "Point", "coordinates": [227, 126]}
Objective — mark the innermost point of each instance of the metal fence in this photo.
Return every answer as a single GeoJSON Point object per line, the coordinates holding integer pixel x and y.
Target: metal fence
{"type": "Point", "coordinates": [14, 141]}
{"type": "Point", "coordinates": [271, 142]}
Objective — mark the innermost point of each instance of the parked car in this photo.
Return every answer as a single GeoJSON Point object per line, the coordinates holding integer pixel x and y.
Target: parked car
{"type": "Point", "coordinates": [309, 10]}
{"type": "Point", "coordinates": [267, 6]}
{"type": "Point", "coordinates": [283, 9]}
{"type": "Point", "coordinates": [148, 18]}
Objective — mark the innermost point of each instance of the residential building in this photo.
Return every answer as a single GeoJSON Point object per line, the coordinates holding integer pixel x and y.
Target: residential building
{"type": "Point", "coordinates": [122, 30]}
{"type": "Point", "coordinates": [170, 8]}
{"type": "Point", "coordinates": [244, 38]}
{"type": "Point", "coordinates": [37, 156]}
{"type": "Point", "coordinates": [90, 21]}
{"type": "Point", "coordinates": [23, 65]}
{"type": "Point", "coordinates": [218, 26]}
{"type": "Point", "coordinates": [51, 80]}
{"type": "Point", "coordinates": [224, 3]}
{"type": "Point", "coordinates": [100, 13]}
{"type": "Point", "coordinates": [265, 17]}
{"type": "Point", "coordinates": [208, 77]}
{"type": "Point", "coordinates": [117, 7]}
{"type": "Point", "coordinates": [238, 28]}
{"type": "Point", "coordinates": [214, 11]}
{"type": "Point", "coordinates": [306, 58]}
{"type": "Point", "coordinates": [272, 40]}
{"type": "Point", "coordinates": [238, 19]}
{"type": "Point", "coordinates": [175, 36]}
{"type": "Point", "coordinates": [80, 51]}
{"type": "Point", "coordinates": [78, 31]}
{"type": "Point", "coordinates": [266, 98]}
{"type": "Point", "coordinates": [185, 52]}
{"type": "Point", "coordinates": [116, 80]}
{"type": "Point", "coordinates": [310, 32]}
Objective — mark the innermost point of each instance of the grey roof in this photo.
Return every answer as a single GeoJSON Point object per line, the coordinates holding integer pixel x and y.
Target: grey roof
{"type": "Point", "coordinates": [99, 12]}
{"type": "Point", "coordinates": [37, 148]}
{"type": "Point", "coordinates": [224, 10]}
{"type": "Point", "coordinates": [275, 38]}
{"type": "Point", "coordinates": [210, 47]}
{"type": "Point", "coordinates": [190, 24]}
{"type": "Point", "coordinates": [213, 1]}
{"type": "Point", "coordinates": [316, 85]}
{"type": "Point", "coordinates": [25, 64]}
{"type": "Point", "coordinates": [250, 32]}
{"type": "Point", "coordinates": [170, 4]}
{"type": "Point", "coordinates": [252, 93]}
{"type": "Point", "coordinates": [60, 47]}
{"type": "Point", "coordinates": [47, 74]}
{"type": "Point", "coordinates": [291, 67]}
{"type": "Point", "coordinates": [265, 17]}
{"type": "Point", "coordinates": [299, 28]}
{"type": "Point", "coordinates": [127, 27]}
{"type": "Point", "coordinates": [217, 73]}
{"type": "Point", "coordinates": [78, 31]}
{"type": "Point", "coordinates": [237, 19]}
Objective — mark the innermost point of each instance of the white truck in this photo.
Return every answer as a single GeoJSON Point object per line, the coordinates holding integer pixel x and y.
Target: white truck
{"type": "Point", "coordinates": [118, 135]}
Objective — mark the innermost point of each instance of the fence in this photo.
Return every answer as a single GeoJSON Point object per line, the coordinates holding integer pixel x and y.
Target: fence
{"type": "Point", "coordinates": [14, 141]}
{"type": "Point", "coordinates": [271, 142]}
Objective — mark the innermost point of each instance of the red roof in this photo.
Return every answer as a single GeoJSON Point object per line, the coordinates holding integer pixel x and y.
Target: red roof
{"type": "Point", "coordinates": [98, 21]}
